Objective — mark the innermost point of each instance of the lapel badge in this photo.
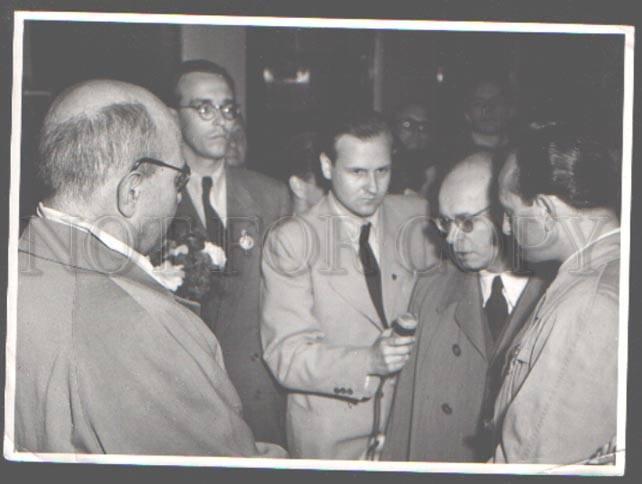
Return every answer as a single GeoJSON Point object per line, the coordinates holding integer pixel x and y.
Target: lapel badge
{"type": "Point", "coordinates": [246, 241]}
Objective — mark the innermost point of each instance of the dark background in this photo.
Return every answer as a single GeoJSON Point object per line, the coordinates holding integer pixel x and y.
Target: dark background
{"type": "Point", "coordinates": [577, 11]}
{"type": "Point", "coordinates": [551, 76]}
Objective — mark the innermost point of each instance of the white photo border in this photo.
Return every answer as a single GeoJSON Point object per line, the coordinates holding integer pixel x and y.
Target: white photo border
{"type": "Point", "coordinates": [10, 453]}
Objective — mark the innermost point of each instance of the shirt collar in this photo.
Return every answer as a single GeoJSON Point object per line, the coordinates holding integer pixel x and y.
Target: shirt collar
{"type": "Point", "coordinates": [351, 222]}
{"type": "Point", "coordinates": [109, 240]}
{"type": "Point", "coordinates": [196, 179]}
{"type": "Point", "coordinates": [513, 286]}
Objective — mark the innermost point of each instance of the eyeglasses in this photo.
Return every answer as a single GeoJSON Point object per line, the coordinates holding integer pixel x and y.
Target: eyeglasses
{"type": "Point", "coordinates": [207, 110]}
{"type": "Point", "coordinates": [414, 125]}
{"type": "Point", "coordinates": [465, 223]}
{"type": "Point", "coordinates": [180, 181]}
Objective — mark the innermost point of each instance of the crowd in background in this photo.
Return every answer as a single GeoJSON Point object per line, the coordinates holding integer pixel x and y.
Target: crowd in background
{"type": "Point", "coordinates": [266, 319]}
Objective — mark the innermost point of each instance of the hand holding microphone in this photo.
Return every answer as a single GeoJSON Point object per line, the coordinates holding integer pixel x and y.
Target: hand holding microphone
{"type": "Point", "coordinates": [391, 350]}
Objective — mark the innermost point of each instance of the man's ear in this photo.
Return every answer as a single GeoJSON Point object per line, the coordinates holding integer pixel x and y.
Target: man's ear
{"type": "Point", "coordinates": [296, 185]}
{"type": "Point", "coordinates": [326, 166]}
{"type": "Point", "coordinates": [129, 190]}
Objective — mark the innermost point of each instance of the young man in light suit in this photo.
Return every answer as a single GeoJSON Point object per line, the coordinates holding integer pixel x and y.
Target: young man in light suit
{"type": "Point", "coordinates": [232, 208]}
{"type": "Point", "coordinates": [334, 280]}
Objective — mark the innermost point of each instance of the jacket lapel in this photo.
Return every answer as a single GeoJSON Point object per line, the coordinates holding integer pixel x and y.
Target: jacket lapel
{"type": "Point", "coordinates": [186, 213]}
{"type": "Point", "coordinates": [524, 307]}
{"type": "Point", "coordinates": [469, 313]}
{"type": "Point", "coordinates": [348, 281]}
{"type": "Point", "coordinates": [396, 281]}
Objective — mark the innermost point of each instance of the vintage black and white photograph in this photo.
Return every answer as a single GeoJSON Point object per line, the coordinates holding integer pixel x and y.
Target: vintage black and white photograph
{"type": "Point", "coordinates": [319, 243]}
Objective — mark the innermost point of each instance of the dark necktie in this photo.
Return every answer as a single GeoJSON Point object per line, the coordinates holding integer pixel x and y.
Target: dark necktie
{"type": "Point", "coordinates": [213, 223]}
{"type": "Point", "coordinates": [371, 272]}
{"type": "Point", "coordinates": [496, 309]}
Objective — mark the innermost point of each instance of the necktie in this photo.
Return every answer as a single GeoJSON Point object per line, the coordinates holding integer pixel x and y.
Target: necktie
{"type": "Point", "coordinates": [496, 308]}
{"type": "Point", "coordinates": [213, 223]}
{"type": "Point", "coordinates": [371, 272]}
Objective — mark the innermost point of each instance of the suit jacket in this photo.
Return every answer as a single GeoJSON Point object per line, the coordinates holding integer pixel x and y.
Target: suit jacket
{"type": "Point", "coordinates": [319, 322]}
{"type": "Point", "coordinates": [231, 309]}
{"type": "Point", "coordinates": [440, 393]}
{"type": "Point", "coordinates": [558, 402]}
{"type": "Point", "coordinates": [109, 362]}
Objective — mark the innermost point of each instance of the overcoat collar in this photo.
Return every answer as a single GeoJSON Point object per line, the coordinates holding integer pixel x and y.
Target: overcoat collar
{"type": "Point", "coordinates": [78, 249]}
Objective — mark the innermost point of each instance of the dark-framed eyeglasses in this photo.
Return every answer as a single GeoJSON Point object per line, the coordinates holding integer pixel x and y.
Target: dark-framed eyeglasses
{"type": "Point", "coordinates": [181, 179]}
{"type": "Point", "coordinates": [207, 110]}
{"type": "Point", "coordinates": [465, 223]}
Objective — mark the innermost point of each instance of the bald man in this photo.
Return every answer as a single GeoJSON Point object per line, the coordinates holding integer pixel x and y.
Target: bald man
{"type": "Point", "coordinates": [468, 313]}
{"type": "Point", "coordinates": [107, 360]}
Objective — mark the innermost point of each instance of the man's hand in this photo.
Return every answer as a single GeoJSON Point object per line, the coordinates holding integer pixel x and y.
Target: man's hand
{"type": "Point", "coordinates": [389, 353]}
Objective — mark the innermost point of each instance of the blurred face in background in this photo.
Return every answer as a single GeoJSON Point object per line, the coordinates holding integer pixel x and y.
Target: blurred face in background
{"type": "Point", "coordinates": [237, 146]}
{"type": "Point", "coordinates": [412, 128]}
{"type": "Point", "coordinates": [361, 173]}
{"type": "Point", "coordinates": [488, 110]}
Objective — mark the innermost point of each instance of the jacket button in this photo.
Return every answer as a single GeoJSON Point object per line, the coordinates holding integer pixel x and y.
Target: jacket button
{"type": "Point", "coordinates": [456, 349]}
{"type": "Point", "coordinates": [394, 277]}
{"type": "Point", "coordinates": [446, 409]}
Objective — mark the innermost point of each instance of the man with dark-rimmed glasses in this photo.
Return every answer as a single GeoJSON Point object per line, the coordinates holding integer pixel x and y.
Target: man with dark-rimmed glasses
{"type": "Point", "coordinates": [232, 208]}
{"type": "Point", "coordinates": [107, 359]}
{"type": "Point", "coordinates": [468, 313]}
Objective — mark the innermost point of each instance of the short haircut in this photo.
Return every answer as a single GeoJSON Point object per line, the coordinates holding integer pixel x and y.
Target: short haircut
{"type": "Point", "coordinates": [79, 154]}
{"type": "Point", "coordinates": [362, 125]}
{"type": "Point", "coordinates": [197, 65]}
{"type": "Point", "coordinates": [557, 159]}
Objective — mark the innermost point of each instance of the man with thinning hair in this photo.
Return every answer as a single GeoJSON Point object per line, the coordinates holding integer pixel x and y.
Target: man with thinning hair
{"type": "Point", "coordinates": [468, 314]}
{"type": "Point", "coordinates": [107, 360]}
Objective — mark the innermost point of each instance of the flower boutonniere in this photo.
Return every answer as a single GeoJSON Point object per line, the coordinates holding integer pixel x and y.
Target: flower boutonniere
{"type": "Point", "coordinates": [187, 265]}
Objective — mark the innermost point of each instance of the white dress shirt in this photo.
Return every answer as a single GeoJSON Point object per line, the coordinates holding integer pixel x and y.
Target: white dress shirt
{"type": "Point", "coordinates": [513, 287]}
{"type": "Point", "coordinates": [350, 224]}
{"type": "Point", "coordinates": [218, 193]}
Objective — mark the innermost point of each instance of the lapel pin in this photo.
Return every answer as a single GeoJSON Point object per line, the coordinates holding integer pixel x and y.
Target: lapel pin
{"type": "Point", "coordinates": [246, 241]}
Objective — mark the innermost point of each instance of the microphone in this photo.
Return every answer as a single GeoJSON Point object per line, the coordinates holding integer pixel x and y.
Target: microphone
{"type": "Point", "coordinates": [405, 325]}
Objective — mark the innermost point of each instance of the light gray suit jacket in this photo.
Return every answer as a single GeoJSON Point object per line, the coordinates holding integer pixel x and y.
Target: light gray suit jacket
{"type": "Point", "coordinates": [319, 322]}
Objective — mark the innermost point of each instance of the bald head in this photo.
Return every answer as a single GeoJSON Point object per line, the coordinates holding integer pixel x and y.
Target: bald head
{"type": "Point", "coordinates": [95, 131]}
{"type": "Point", "coordinates": [467, 184]}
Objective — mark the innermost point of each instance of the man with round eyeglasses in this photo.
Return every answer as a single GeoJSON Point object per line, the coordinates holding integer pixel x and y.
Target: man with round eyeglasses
{"type": "Point", "coordinates": [231, 207]}
{"type": "Point", "coordinates": [468, 313]}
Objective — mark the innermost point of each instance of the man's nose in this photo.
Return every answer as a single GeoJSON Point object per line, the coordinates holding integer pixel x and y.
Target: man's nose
{"type": "Point", "coordinates": [373, 183]}
{"type": "Point", "coordinates": [453, 233]}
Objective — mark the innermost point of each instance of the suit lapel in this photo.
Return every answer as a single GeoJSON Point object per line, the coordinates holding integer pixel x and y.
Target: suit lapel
{"type": "Point", "coordinates": [186, 213]}
{"type": "Point", "coordinates": [469, 313]}
{"type": "Point", "coordinates": [348, 280]}
{"type": "Point", "coordinates": [396, 282]}
{"type": "Point", "coordinates": [525, 305]}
